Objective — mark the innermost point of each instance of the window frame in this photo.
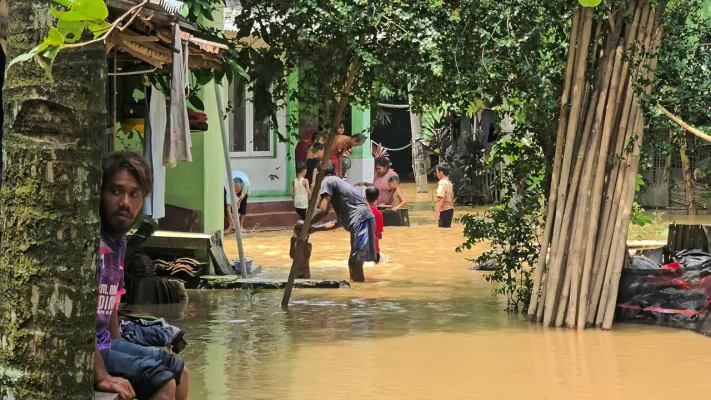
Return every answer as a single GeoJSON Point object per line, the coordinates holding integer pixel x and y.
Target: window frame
{"type": "Point", "coordinates": [248, 129]}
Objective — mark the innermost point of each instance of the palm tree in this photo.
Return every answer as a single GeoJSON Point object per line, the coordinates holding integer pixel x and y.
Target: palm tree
{"type": "Point", "coordinates": [49, 214]}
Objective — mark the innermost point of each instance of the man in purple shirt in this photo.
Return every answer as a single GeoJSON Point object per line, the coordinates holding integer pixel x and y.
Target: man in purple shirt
{"type": "Point", "coordinates": [121, 367]}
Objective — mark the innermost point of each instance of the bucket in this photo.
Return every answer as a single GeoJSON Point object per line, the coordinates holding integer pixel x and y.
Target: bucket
{"type": "Point", "coordinates": [247, 262]}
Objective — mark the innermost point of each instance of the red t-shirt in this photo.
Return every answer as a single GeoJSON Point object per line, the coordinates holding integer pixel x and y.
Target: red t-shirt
{"type": "Point", "coordinates": [301, 150]}
{"type": "Point", "coordinates": [378, 227]}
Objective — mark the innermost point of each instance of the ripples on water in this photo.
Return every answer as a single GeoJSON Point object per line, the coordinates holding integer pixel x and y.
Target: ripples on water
{"type": "Point", "coordinates": [423, 327]}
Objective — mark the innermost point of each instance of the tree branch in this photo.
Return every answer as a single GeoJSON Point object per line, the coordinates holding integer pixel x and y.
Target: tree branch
{"type": "Point", "coordinates": [683, 124]}
{"type": "Point", "coordinates": [133, 12]}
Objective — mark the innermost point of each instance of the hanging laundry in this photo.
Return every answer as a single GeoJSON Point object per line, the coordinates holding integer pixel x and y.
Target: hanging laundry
{"type": "Point", "coordinates": [177, 141]}
{"type": "Point", "coordinates": [154, 205]}
{"type": "Point", "coordinates": [198, 120]}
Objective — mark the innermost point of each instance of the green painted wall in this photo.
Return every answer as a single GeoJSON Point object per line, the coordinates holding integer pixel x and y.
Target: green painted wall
{"type": "Point", "coordinates": [198, 185]}
{"type": "Point", "coordinates": [214, 164]}
{"type": "Point", "coordinates": [184, 184]}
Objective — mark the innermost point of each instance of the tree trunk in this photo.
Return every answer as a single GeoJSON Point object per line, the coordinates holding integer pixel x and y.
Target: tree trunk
{"type": "Point", "coordinates": [688, 179]}
{"type": "Point", "coordinates": [50, 201]}
{"type": "Point", "coordinates": [419, 162]}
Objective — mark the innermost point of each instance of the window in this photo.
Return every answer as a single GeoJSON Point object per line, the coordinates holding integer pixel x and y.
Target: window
{"type": "Point", "coordinates": [249, 136]}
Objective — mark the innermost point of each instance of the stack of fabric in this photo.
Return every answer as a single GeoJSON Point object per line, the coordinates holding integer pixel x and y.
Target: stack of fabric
{"type": "Point", "coordinates": [185, 266]}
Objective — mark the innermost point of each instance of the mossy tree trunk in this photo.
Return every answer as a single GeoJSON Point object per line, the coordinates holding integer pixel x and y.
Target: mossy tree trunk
{"type": "Point", "coordinates": [49, 215]}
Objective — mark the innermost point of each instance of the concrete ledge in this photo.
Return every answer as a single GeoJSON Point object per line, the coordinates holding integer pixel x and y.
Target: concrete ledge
{"type": "Point", "coordinates": [232, 282]}
{"type": "Point", "coordinates": [105, 396]}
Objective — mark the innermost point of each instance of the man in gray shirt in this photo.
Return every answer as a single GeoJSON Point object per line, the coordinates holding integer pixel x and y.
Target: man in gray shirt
{"type": "Point", "coordinates": [353, 214]}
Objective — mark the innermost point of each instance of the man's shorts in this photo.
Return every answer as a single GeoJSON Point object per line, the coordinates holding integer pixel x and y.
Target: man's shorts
{"type": "Point", "coordinates": [242, 210]}
{"type": "Point", "coordinates": [363, 242]}
{"type": "Point", "coordinates": [147, 369]}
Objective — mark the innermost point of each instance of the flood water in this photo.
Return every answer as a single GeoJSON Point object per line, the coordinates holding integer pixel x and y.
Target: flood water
{"type": "Point", "coordinates": [423, 327]}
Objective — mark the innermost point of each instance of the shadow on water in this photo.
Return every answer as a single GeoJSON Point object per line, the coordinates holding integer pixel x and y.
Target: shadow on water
{"type": "Point", "coordinates": [424, 327]}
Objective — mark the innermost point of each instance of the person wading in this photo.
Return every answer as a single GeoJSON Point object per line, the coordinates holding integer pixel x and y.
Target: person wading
{"type": "Point", "coordinates": [353, 214]}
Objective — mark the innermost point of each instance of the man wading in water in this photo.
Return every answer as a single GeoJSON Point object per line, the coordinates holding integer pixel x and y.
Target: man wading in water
{"type": "Point", "coordinates": [353, 213]}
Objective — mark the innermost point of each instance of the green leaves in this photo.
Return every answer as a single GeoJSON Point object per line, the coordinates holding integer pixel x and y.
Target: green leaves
{"type": "Point", "coordinates": [80, 15]}
{"type": "Point", "coordinates": [590, 3]}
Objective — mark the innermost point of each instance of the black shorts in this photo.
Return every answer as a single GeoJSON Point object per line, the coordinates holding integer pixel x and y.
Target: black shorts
{"type": "Point", "coordinates": [363, 242]}
{"type": "Point", "coordinates": [301, 212]}
{"type": "Point", "coordinates": [243, 206]}
{"type": "Point", "coordinates": [147, 369]}
{"type": "Point", "coordinates": [445, 218]}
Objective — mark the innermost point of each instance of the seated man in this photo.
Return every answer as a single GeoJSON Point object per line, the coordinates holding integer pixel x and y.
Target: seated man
{"type": "Point", "coordinates": [121, 367]}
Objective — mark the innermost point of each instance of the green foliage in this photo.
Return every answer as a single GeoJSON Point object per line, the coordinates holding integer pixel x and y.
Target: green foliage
{"type": "Point", "coordinates": [73, 19]}
{"type": "Point", "coordinates": [510, 226]}
{"type": "Point", "coordinates": [683, 77]}
{"type": "Point", "coordinates": [639, 217]}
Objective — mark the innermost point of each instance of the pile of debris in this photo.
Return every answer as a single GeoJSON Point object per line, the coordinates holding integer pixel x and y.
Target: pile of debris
{"type": "Point", "coordinates": [674, 294]}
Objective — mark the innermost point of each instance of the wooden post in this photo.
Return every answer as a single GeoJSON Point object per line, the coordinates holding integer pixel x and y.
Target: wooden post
{"type": "Point", "coordinates": [335, 122]}
{"type": "Point", "coordinates": [230, 182]}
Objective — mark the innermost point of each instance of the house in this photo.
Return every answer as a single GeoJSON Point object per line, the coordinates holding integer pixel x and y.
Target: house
{"type": "Point", "coordinates": [254, 149]}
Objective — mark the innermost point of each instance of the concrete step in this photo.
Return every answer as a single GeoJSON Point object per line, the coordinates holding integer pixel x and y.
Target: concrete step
{"type": "Point", "coordinates": [274, 220]}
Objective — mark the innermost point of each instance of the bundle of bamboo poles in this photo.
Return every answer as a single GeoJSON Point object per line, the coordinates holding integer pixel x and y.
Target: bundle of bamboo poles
{"type": "Point", "coordinates": [596, 162]}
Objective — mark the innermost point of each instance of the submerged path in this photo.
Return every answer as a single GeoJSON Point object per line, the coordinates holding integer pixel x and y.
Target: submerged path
{"type": "Point", "coordinates": [423, 327]}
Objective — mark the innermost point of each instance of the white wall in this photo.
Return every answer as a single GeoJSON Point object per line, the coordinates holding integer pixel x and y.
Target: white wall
{"type": "Point", "coordinates": [362, 170]}
{"type": "Point", "coordinates": [258, 169]}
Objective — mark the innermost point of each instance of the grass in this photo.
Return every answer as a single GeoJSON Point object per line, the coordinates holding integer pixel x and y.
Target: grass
{"type": "Point", "coordinates": [657, 229]}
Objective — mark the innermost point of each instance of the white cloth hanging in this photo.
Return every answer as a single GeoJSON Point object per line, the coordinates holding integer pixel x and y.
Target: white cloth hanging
{"type": "Point", "coordinates": [154, 205]}
{"type": "Point", "coordinates": [177, 141]}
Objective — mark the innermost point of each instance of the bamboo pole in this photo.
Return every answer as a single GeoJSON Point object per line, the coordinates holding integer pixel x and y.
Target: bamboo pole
{"type": "Point", "coordinates": [555, 179]}
{"type": "Point", "coordinates": [582, 161]}
{"type": "Point", "coordinates": [335, 122]}
{"type": "Point", "coordinates": [580, 187]}
{"type": "Point", "coordinates": [594, 118]}
{"type": "Point", "coordinates": [652, 44]}
{"type": "Point", "coordinates": [617, 249]}
{"type": "Point", "coordinates": [607, 302]}
{"type": "Point", "coordinates": [624, 134]}
{"type": "Point", "coordinates": [597, 187]}
{"type": "Point", "coordinates": [578, 88]}
{"type": "Point", "coordinates": [230, 182]}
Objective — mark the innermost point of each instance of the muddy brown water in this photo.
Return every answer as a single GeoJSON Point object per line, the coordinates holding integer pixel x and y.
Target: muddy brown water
{"type": "Point", "coordinates": [423, 327]}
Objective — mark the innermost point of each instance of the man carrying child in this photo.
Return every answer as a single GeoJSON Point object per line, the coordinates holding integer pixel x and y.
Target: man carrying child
{"type": "Point", "coordinates": [353, 214]}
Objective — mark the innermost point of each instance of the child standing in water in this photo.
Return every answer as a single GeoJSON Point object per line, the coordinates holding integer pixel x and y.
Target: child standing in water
{"type": "Point", "coordinates": [371, 196]}
{"type": "Point", "coordinates": [300, 191]}
{"type": "Point", "coordinates": [398, 199]}
{"type": "Point", "coordinates": [445, 198]}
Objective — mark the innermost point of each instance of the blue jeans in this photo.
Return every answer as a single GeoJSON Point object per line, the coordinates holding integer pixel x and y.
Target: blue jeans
{"type": "Point", "coordinates": [147, 369]}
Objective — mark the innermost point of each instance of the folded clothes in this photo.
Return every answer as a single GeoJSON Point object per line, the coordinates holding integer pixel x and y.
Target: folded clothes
{"type": "Point", "coordinates": [149, 333]}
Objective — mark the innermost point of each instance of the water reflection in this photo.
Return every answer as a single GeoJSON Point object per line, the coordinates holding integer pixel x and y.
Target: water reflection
{"type": "Point", "coordinates": [424, 327]}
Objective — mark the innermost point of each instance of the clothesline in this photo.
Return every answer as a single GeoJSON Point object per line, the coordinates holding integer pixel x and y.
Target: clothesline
{"type": "Point", "coordinates": [398, 149]}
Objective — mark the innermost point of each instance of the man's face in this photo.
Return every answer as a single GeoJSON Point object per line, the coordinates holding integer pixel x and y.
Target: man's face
{"type": "Point", "coordinates": [380, 170]}
{"type": "Point", "coordinates": [392, 185]}
{"type": "Point", "coordinates": [440, 175]}
{"type": "Point", "coordinates": [121, 201]}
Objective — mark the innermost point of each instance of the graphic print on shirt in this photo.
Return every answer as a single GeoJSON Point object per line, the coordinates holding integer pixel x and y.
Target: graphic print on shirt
{"type": "Point", "coordinates": [110, 281]}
